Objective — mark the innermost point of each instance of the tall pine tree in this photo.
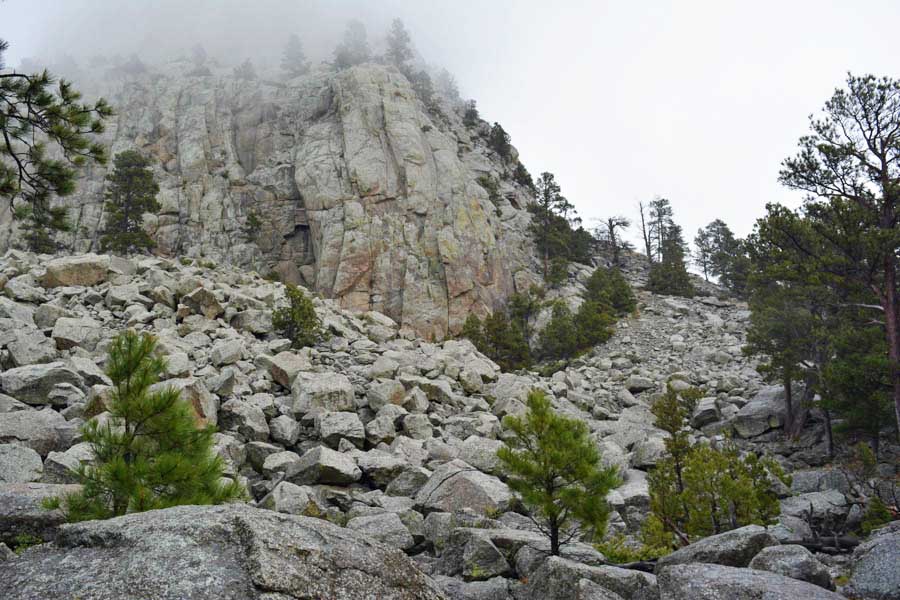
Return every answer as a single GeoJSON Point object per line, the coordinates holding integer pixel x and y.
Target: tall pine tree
{"type": "Point", "coordinates": [131, 193]}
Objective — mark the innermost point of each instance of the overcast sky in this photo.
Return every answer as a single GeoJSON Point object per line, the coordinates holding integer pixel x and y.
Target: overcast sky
{"type": "Point", "coordinates": [697, 101]}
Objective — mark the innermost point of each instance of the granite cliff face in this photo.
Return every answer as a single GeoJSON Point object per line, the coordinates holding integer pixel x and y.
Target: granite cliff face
{"type": "Point", "coordinates": [345, 182]}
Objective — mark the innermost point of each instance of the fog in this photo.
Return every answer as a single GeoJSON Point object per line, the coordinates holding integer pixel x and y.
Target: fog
{"type": "Point", "coordinates": [695, 101]}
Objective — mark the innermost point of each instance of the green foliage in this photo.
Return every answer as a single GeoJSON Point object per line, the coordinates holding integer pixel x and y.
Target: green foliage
{"type": "Point", "coordinates": [609, 288]}
{"type": "Point", "coordinates": [559, 338]}
{"type": "Point", "coordinates": [876, 515]}
{"type": "Point", "coordinates": [354, 49]}
{"type": "Point", "coordinates": [498, 140]}
{"type": "Point", "coordinates": [130, 193]}
{"type": "Point", "coordinates": [503, 336]}
{"type": "Point", "coordinates": [669, 274]}
{"type": "Point", "coordinates": [40, 221]}
{"type": "Point", "coordinates": [555, 467]}
{"type": "Point", "coordinates": [252, 225]}
{"type": "Point", "coordinates": [699, 490]}
{"type": "Point", "coordinates": [294, 62]}
{"type": "Point", "coordinates": [471, 118]}
{"type": "Point", "coordinates": [500, 339]}
{"type": "Point", "coordinates": [849, 166]}
{"type": "Point", "coordinates": [523, 177]}
{"type": "Point", "coordinates": [857, 381]}
{"type": "Point", "coordinates": [424, 89]}
{"type": "Point", "coordinates": [491, 186]}
{"type": "Point", "coordinates": [720, 254]}
{"type": "Point", "coordinates": [149, 453]}
{"type": "Point", "coordinates": [298, 322]}
{"type": "Point", "coordinates": [618, 551]}
{"type": "Point", "coordinates": [556, 229]}
{"type": "Point", "coordinates": [33, 118]}
{"type": "Point", "coordinates": [24, 541]}
{"type": "Point", "coordinates": [594, 321]}
{"type": "Point", "coordinates": [559, 271]}
{"type": "Point", "coordinates": [471, 331]}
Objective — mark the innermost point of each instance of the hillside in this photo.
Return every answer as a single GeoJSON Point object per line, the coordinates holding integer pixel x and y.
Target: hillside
{"type": "Point", "coordinates": [391, 439]}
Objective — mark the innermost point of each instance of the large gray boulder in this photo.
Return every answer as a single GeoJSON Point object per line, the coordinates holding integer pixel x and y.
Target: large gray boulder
{"type": "Point", "coordinates": [83, 332]}
{"type": "Point", "coordinates": [386, 527]}
{"type": "Point", "coordinates": [324, 465]}
{"type": "Point", "coordinates": [558, 577]}
{"type": "Point", "coordinates": [41, 430]}
{"type": "Point", "coordinates": [876, 566]}
{"type": "Point", "coordinates": [232, 552]}
{"type": "Point", "coordinates": [735, 548]}
{"type": "Point", "coordinates": [328, 391]}
{"type": "Point", "coordinates": [22, 513]}
{"type": "Point", "coordinates": [795, 562]}
{"type": "Point", "coordinates": [19, 464]}
{"type": "Point", "coordinates": [84, 270]}
{"type": "Point", "coordinates": [244, 418]}
{"type": "Point", "coordinates": [719, 582]}
{"type": "Point", "coordinates": [456, 485]}
{"type": "Point", "coordinates": [765, 411]}
{"type": "Point", "coordinates": [337, 426]}
{"type": "Point", "coordinates": [32, 384]}
{"type": "Point", "coordinates": [816, 507]}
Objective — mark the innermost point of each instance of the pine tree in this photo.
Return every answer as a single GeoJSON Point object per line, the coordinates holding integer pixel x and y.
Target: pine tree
{"type": "Point", "coordinates": [857, 382]}
{"type": "Point", "coordinates": [399, 47]}
{"type": "Point", "coordinates": [471, 118]}
{"type": "Point", "coordinates": [294, 62]}
{"type": "Point", "coordinates": [669, 275]}
{"type": "Point", "coordinates": [554, 466]}
{"type": "Point", "coordinates": [131, 193]}
{"type": "Point", "coordinates": [354, 49]}
{"type": "Point", "coordinates": [149, 453]}
{"type": "Point", "coordinates": [849, 167]}
{"type": "Point", "coordinates": [498, 140]}
{"type": "Point", "coordinates": [661, 223]}
{"type": "Point", "coordinates": [703, 257]}
{"type": "Point", "coordinates": [505, 342]}
{"type": "Point", "coordinates": [608, 287]}
{"type": "Point", "coordinates": [559, 338]}
{"type": "Point", "coordinates": [298, 321]}
{"type": "Point", "coordinates": [610, 238]}
{"type": "Point", "coordinates": [30, 110]}
{"type": "Point", "coordinates": [698, 490]}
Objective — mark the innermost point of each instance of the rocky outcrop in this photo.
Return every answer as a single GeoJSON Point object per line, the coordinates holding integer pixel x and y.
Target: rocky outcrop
{"type": "Point", "coordinates": [345, 182]}
{"type": "Point", "coordinates": [224, 552]}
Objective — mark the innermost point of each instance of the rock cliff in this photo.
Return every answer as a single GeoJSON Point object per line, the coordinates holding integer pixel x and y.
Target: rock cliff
{"type": "Point", "coordinates": [343, 181]}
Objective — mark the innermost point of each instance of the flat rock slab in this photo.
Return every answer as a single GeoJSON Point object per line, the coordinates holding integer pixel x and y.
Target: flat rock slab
{"type": "Point", "coordinates": [232, 552]}
{"type": "Point", "coordinates": [718, 582]}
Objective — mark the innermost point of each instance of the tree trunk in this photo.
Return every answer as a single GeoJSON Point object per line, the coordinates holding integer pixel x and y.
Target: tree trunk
{"type": "Point", "coordinates": [554, 538]}
{"type": "Point", "coordinates": [893, 333]}
{"type": "Point", "coordinates": [788, 406]}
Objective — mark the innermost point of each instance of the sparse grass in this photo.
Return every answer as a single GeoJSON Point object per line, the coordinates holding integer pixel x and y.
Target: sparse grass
{"type": "Point", "coordinates": [24, 541]}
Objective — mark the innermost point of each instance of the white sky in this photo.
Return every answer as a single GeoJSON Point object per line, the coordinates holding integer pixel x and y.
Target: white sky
{"type": "Point", "coordinates": [697, 101]}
